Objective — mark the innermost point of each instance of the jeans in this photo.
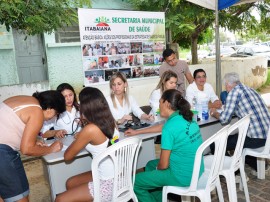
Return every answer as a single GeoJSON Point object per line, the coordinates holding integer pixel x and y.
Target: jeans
{"type": "Point", "coordinates": [249, 143]}
{"type": "Point", "coordinates": [13, 181]}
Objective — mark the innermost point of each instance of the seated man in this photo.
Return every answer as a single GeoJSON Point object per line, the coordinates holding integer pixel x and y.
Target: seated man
{"type": "Point", "coordinates": [242, 100]}
{"type": "Point", "coordinates": [202, 91]}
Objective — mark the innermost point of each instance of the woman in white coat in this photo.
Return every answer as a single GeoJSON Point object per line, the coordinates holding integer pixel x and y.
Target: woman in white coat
{"type": "Point", "coordinates": [67, 122]}
{"type": "Point", "coordinates": [121, 103]}
{"type": "Point", "coordinates": [168, 80]}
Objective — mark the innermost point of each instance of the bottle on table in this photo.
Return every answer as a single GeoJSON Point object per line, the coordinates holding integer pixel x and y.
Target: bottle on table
{"type": "Point", "coordinates": [205, 114]}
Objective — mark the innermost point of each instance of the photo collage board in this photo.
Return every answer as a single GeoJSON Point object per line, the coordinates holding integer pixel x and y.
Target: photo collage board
{"type": "Point", "coordinates": [114, 41]}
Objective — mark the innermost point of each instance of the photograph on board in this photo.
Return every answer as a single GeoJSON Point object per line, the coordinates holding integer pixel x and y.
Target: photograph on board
{"type": "Point", "coordinates": [148, 59]}
{"type": "Point", "coordinates": [136, 47]}
{"type": "Point", "coordinates": [90, 63]}
{"type": "Point", "coordinates": [148, 46]}
{"type": "Point", "coordinates": [126, 72]}
{"type": "Point", "coordinates": [151, 71]}
{"type": "Point", "coordinates": [94, 76]}
{"type": "Point", "coordinates": [103, 62]}
{"type": "Point", "coordinates": [109, 73]}
{"type": "Point", "coordinates": [137, 72]}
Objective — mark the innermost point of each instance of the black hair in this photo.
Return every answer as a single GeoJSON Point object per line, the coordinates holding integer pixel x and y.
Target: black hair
{"type": "Point", "coordinates": [167, 53]}
{"type": "Point", "coordinates": [198, 71]}
{"type": "Point", "coordinates": [66, 86]}
{"type": "Point", "coordinates": [177, 102]}
{"type": "Point", "coordinates": [51, 99]}
{"type": "Point", "coordinates": [94, 107]}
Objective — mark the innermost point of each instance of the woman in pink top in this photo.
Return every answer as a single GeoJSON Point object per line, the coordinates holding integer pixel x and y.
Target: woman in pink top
{"type": "Point", "coordinates": [21, 118]}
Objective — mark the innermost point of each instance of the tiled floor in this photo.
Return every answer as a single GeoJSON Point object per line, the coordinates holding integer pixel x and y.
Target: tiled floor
{"type": "Point", "coordinates": [259, 190]}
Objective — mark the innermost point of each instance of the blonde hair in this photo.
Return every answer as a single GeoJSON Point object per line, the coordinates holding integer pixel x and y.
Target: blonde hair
{"type": "Point", "coordinates": [121, 76]}
{"type": "Point", "coordinates": [164, 78]}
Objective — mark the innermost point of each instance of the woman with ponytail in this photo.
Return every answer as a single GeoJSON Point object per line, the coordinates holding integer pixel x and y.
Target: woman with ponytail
{"type": "Point", "coordinates": [95, 137]}
{"type": "Point", "coordinates": [180, 140]}
{"type": "Point", "coordinates": [21, 118]}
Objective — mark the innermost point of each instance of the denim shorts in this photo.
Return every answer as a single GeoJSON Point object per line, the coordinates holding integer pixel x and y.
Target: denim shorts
{"type": "Point", "coordinates": [13, 181]}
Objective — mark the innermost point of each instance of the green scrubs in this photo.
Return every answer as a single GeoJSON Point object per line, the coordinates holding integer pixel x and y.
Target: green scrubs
{"type": "Point", "coordinates": [182, 138]}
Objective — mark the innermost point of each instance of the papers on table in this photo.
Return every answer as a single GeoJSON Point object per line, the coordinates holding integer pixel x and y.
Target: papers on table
{"type": "Point", "coordinates": [63, 149]}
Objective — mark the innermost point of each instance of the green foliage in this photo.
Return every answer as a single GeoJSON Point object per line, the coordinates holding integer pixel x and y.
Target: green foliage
{"type": "Point", "coordinates": [267, 83]}
{"type": "Point", "coordinates": [39, 16]}
{"type": "Point", "coordinates": [190, 23]}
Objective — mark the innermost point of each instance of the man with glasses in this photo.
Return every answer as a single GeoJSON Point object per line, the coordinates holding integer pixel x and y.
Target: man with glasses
{"type": "Point", "coordinates": [241, 101]}
{"type": "Point", "coordinates": [180, 67]}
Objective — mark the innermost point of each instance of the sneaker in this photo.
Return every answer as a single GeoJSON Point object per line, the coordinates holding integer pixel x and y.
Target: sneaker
{"type": "Point", "coordinates": [238, 178]}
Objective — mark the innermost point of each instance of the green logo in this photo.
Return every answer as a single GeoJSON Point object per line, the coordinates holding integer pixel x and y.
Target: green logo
{"type": "Point", "coordinates": [102, 19]}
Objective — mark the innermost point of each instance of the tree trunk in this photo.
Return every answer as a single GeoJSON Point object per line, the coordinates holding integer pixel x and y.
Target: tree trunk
{"type": "Point", "coordinates": [194, 49]}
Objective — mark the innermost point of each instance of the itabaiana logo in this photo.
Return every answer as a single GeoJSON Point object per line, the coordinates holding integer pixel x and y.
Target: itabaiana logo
{"type": "Point", "coordinates": [102, 24]}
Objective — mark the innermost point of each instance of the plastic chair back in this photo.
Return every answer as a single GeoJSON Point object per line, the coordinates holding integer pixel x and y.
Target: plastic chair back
{"type": "Point", "coordinates": [267, 144]}
{"type": "Point", "coordinates": [209, 178]}
{"type": "Point", "coordinates": [124, 156]}
{"type": "Point", "coordinates": [242, 126]}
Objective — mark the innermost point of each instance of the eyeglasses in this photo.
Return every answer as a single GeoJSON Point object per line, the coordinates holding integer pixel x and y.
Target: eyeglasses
{"type": "Point", "coordinates": [200, 77]}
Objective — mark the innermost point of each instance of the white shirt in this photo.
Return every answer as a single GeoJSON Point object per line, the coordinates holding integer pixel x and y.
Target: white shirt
{"type": "Point", "coordinates": [126, 109]}
{"type": "Point", "coordinates": [64, 122]}
{"type": "Point", "coordinates": [208, 93]}
{"type": "Point", "coordinates": [154, 101]}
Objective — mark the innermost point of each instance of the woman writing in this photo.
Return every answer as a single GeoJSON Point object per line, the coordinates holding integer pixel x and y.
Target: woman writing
{"type": "Point", "coordinates": [21, 118]}
{"type": "Point", "coordinates": [95, 137]}
{"type": "Point", "coordinates": [67, 122]}
{"type": "Point", "coordinates": [180, 140]}
{"type": "Point", "coordinates": [121, 104]}
{"type": "Point", "coordinates": [168, 80]}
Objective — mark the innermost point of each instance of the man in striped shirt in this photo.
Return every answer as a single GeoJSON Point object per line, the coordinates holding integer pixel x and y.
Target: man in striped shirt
{"type": "Point", "coordinates": [242, 100]}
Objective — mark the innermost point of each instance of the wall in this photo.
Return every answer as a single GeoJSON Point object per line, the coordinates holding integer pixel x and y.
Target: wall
{"type": "Point", "coordinates": [252, 71]}
{"type": "Point", "coordinates": [8, 67]}
{"type": "Point", "coordinates": [22, 89]}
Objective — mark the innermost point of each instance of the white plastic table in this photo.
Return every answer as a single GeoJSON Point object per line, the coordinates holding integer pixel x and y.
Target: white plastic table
{"type": "Point", "coordinates": [58, 171]}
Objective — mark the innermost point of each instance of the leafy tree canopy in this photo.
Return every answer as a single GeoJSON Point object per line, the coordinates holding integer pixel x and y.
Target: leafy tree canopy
{"type": "Point", "coordinates": [39, 16]}
{"type": "Point", "coordinates": [191, 24]}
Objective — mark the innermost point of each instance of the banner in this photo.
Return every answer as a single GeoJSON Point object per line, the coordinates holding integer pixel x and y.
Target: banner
{"type": "Point", "coordinates": [114, 40]}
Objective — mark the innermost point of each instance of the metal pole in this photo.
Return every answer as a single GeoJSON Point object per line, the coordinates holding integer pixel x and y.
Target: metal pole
{"type": "Point", "coordinates": [218, 61]}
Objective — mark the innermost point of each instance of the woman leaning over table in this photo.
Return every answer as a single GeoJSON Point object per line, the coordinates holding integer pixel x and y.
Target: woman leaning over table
{"type": "Point", "coordinates": [180, 140]}
{"type": "Point", "coordinates": [95, 137]}
{"type": "Point", "coordinates": [67, 122]}
{"type": "Point", "coordinates": [21, 118]}
{"type": "Point", "coordinates": [121, 103]}
{"type": "Point", "coordinates": [168, 80]}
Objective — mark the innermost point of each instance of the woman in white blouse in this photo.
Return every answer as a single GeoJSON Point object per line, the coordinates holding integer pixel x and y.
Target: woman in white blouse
{"type": "Point", "coordinates": [202, 91]}
{"type": "Point", "coordinates": [168, 80]}
{"type": "Point", "coordinates": [67, 122]}
{"type": "Point", "coordinates": [121, 103]}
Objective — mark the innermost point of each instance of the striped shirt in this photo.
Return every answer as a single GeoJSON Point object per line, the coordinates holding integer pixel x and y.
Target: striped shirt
{"type": "Point", "coordinates": [243, 100]}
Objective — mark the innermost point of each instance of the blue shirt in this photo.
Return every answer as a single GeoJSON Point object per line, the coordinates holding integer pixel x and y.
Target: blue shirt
{"type": "Point", "coordinates": [243, 100]}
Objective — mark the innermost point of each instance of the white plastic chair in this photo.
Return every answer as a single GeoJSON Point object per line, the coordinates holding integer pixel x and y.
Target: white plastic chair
{"type": "Point", "coordinates": [261, 153]}
{"type": "Point", "coordinates": [124, 156]}
{"type": "Point", "coordinates": [235, 162]}
{"type": "Point", "coordinates": [209, 180]}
